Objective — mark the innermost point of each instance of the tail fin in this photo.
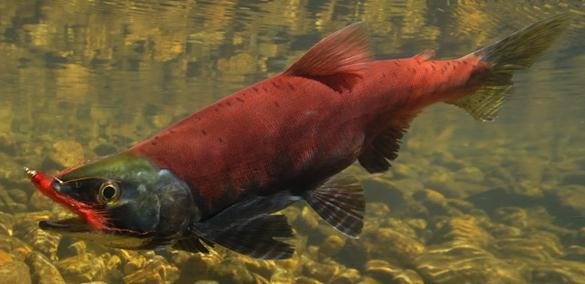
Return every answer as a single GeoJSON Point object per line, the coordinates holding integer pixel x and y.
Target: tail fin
{"type": "Point", "coordinates": [515, 52]}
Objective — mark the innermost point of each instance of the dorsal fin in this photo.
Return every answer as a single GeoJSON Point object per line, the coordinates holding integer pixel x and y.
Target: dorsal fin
{"type": "Point", "coordinates": [425, 55]}
{"type": "Point", "coordinates": [337, 60]}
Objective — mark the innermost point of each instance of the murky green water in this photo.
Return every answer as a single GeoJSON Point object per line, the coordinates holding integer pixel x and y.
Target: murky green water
{"type": "Point", "coordinates": [464, 203]}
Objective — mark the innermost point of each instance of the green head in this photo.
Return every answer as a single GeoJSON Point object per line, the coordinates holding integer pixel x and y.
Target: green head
{"type": "Point", "coordinates": [123, 201]}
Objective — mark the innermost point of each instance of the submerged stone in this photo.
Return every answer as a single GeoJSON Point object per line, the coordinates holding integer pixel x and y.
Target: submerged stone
{"type": "Point", "coordinates": [387, 273]}
{"type": "Point", "coordinates": [43, 270]}
{"type": "Point", "coordinates": [15, 272]}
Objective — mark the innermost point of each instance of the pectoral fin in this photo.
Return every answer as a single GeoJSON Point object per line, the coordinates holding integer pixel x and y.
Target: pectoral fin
{"type": "Point", "coordinates": [340, 201]}
{"type": "Point", "coordinates": [259, 237]}
{"type": "Point", "coordinates": [194, 245]}
{"type": "Point", "coordinates": [249, 228]}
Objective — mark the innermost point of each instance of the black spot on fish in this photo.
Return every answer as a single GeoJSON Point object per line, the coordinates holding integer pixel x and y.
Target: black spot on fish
{"type": "Point", "coordinates": [265, 89]}
{"type": "Point", "coordinates": [220, 140]}
{"type": "Point", "coordinates": [396, 63]}
{"type": "Point", "coordinates": [276, 104]}
{"type": "Point", "coordinates": [290, 86]}
{"type": "Point", "coordinates": [153, 143]}
{"type": "Point", "coordinates": [255, 89]}
{"type": "Point", "coordinates": [229, 104]}
{"type": "Point", "coordinates": [433, 67]}
{"type": "Point", "coordinates": [240, 100]}
{"type": "Point", "coordinates": [275, 85]}
{"type": "Point", "coordinates": [204, 132]}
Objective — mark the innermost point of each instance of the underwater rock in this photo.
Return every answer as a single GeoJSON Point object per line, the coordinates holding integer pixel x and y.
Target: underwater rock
{"type": "Point", "coordinates": [535, 246]}
{"type": "Point", "coordinates": [402, 170]}
{"type": "Point", "coordinates": [133, 261]}
{"type": "Point", "coordinates": [242, 63]}
{"type": "Point", "coordinates": [18, 195]}
{"type": "Point", "coordinates": [8, 143]}
{"type": "Point", "coordinates": [470, 174]}
{"type": "Point", "coordinates": [576, 252]}
{"type": "Point", "coordinates": [396, 194]}
{"type": "Point", "coordinates": [200, 265]}
{"type": "Point", "coordinates": [347, 276]}
{"type": "Point", "coordinates": [18, 249]}
{"type": "Point", "coordinates": [6, 223]}
{"type": "Point", "coordinates": [577, 178]}
{"type": "Point", "coordinates": [42, 241]}
{"type": "Point", "coordinates": [391, 245]}
{"type": "Point", "coordinates": [387, 273]}
{"type": "Point", "coordinates": [505, 231]}
{"type": "Point", "coordinates": [331, 245]}
{"type": "Point", "coordinates": [526, 167]}
{"type": "Point", "coordinates": [10, 170]}
{"type": "Point", "coordinates": [261, 267]}
{"type": "Point", "coordinates": [435, 202]}
{"type": "Point", "coordinates": [513, 216]}
{"type": "Point", "coordinates": [557, 272]}
{"type": "Point", "coordinates": [157, 270]}
{"type": "Point", "coordinates": [298, 280]}
{"type": "Point", "coordinates": [104, 150]}
{"type": "Point", "coordinates": [282, 276]}
{"type": "Point", "coordinates": [39, 202]}
{"type": "Point", "coordinates": [232, 272]}
{"type": "Point", "coordinates": [7, 203]}
{"type": "Point", "coordinates": [77, 247]}
{"type": "Point", "coordinates": [377, 210]}
{"type": "Point", "coordinates": [309, 218]}
{"type": "Point", "coordinates": [321, 271]}
{"type": "Point", "coordinates": [462, 189]}
{"type": "Point", "coordinates": [465, 229]}
{"type": "Point", "coordinates": [66, 153]}
{"type": "Point", "coordinates": [458, 262]}
{"type": "Point", "coordinates": [82, 268]}
{"type": "Point", "coordinates": [570, 200]}
{"type": "Point", "coordinates": [15, 272]}
{"type": "Point", "coordinates": [43, 271]}
{"type": "Point", "coordinates": [292, 213]}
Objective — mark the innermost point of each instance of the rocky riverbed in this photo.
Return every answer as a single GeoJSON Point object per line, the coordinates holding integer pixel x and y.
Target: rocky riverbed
{"type": "Point", "coordinates": [433, 219]}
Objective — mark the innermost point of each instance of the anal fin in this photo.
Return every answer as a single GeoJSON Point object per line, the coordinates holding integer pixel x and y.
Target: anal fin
{"type": "Point", "coordinates": [375, 157]}
{"type": "Point", "coordinates": [340, 202]}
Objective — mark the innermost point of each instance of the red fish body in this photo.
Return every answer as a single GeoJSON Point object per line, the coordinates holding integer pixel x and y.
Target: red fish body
{"type": "Point", "coordinates": [293, 132]}
{"type": "Point", "coordinates": [217, 176]}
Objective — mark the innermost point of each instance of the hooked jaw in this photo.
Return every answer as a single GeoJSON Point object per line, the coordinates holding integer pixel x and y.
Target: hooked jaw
{"type": "Point", "coordinates": [46, 185]}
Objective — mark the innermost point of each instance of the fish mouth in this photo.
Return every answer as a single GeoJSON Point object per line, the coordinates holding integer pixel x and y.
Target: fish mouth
{"type": "Point", "coordinates": [73, 224]}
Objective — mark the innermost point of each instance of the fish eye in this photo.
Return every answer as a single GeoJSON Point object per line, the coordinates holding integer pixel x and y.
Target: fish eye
{"type": "Point", "coordinates": [108, 192]}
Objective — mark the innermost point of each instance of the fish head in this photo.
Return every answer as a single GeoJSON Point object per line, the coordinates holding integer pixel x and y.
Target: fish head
{"type": "Point", "coordinates": [122, 201]}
